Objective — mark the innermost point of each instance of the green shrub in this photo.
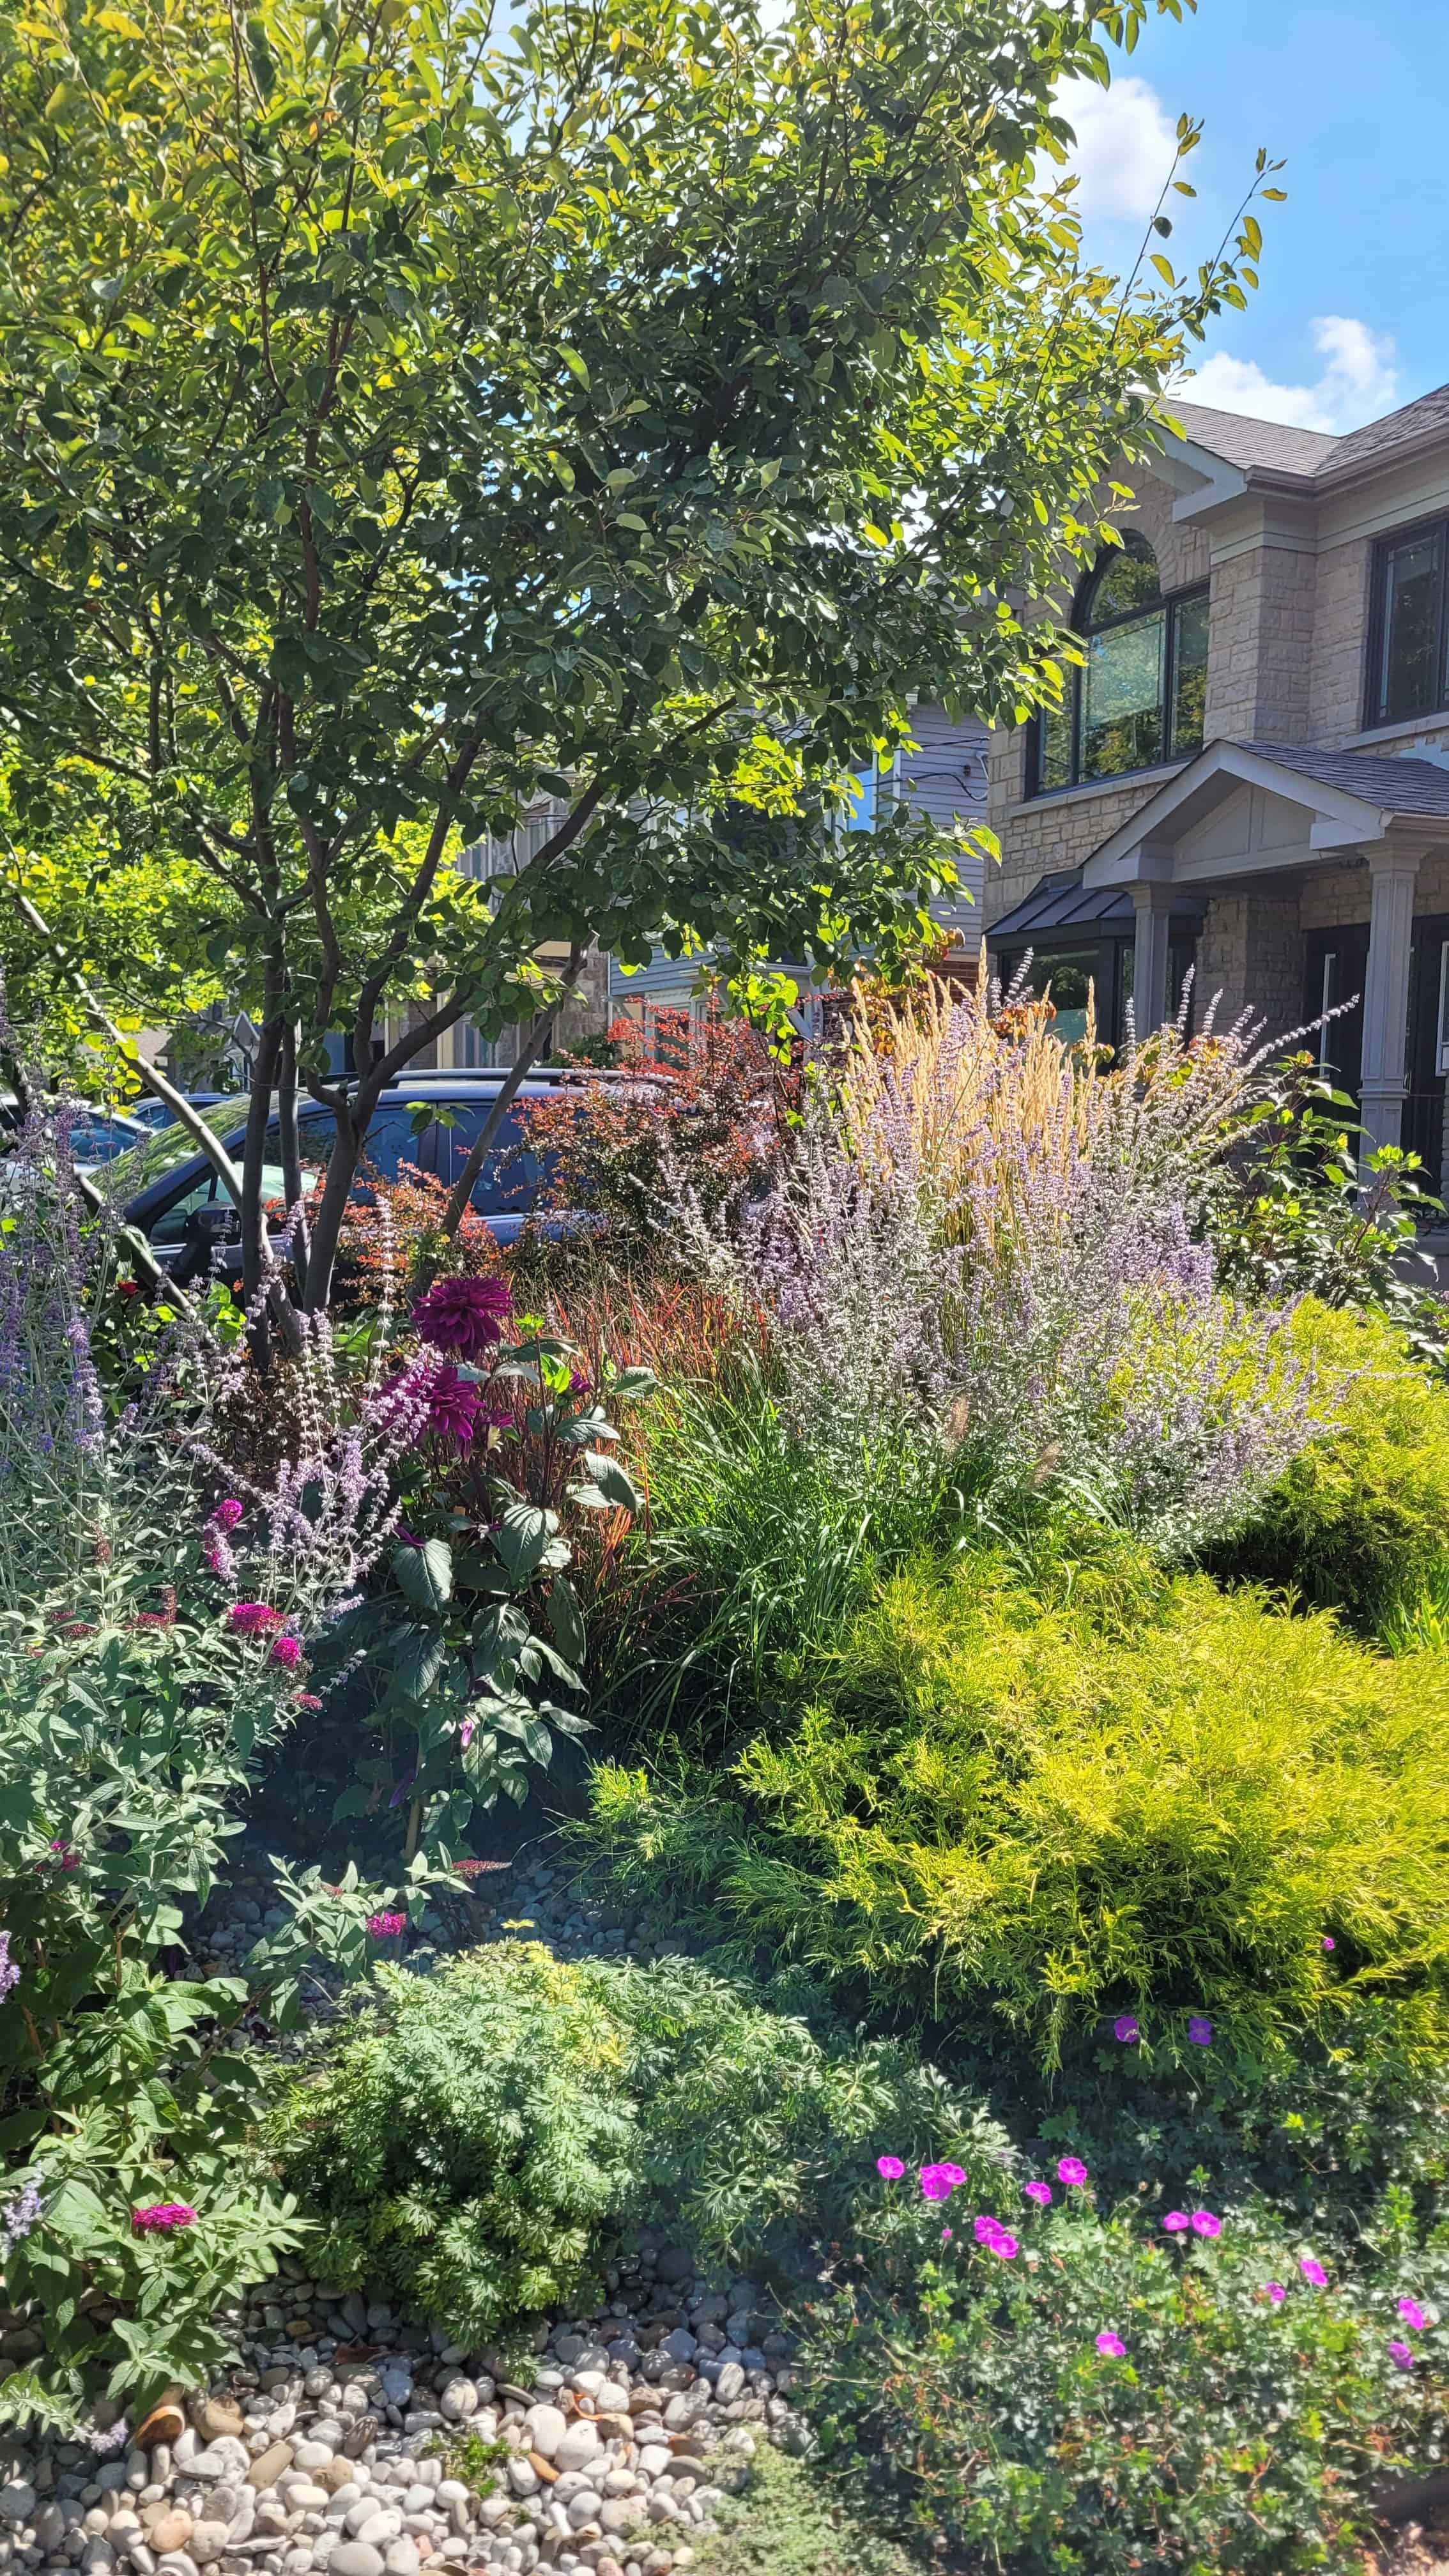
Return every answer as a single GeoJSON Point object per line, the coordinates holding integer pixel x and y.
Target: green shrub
{"type": "Point", "coordinates": [472, 2149]}
{"type": "Point", "coordinates": [1235, 2431]}
{"type": "Point", "coordinates": [784, 2524]}
{"type": "Point", "coordinates": [1361, 1520]}
{"type": "Point", "coordinates": [1132, 1794]}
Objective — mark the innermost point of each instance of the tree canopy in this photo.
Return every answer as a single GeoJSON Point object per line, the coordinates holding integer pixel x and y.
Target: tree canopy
{"type": "Point", "coordinates": [412, 413]}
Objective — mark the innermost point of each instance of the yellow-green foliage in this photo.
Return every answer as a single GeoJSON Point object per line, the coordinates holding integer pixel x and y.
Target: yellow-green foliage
{"type": "Point", "coordinates": [1151, 1795]}
{"type": "Point", "coordinates": [1363, 1516]}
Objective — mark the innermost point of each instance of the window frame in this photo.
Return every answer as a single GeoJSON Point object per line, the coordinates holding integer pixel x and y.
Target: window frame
{"type": "Point", "coordinates": [1376, 712]}
{"type": "Point", "coordinates": [1167, 605]}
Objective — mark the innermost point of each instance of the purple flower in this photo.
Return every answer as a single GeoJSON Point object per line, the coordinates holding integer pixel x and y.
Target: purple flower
{"type": "Point", "coordinates": [452, 1406]}
{"type": "Point", "coordinates": [1400, 2353]}
{"type": "Point", "coordinates": [9, 1973]}
{"type": "Point", "coordinates": [287, 1651]}
{"type": "Point", "coordinates": [1177, 2222]}
{"type": "Point", "coordinates": [1329, 1942]}
{"type": "Point", "coordinates": [64, 1854]}
{"type": "Point", "coordinates": [1312, 2271]}
{"type": "Point", "coordinates": [1125, 2027]}
{"type": "Point", "coordinates": [1112, 2345]}
{"type": "Point", "coordinates": [934, 2185]}
{"type": "Point", "coordinates": [1413, 2315]}
{"type": "Point", "coordinates": [1276, 2292]}
{"type": "Point", "coordinates": [1204, 2223]}
{"type": "Point", "coordinates": [1071, 2170]}
{"type": "Point", "coordinates": [953, 2174]}
{"type": "Point", "coordinates": [1200, 2031]}
{"type": "Point", "coordinates": [464, 1315]}
{"type": "Point", "coordinates": [1004, 2245]}
{"type": "Point", "coordinates": [945, 2235]}
{"type": "Point", "coordinates": [252, 1618]}
{"type": "Point", "coordinates": [1040, 2192]}
{"type": "Point", "coordinates": [987, 2229]}
{"type": "Point", "coordinates": [227, 1514]}
{"type": "Point", "coordinates": [890, 2168]}
{"type": "Point", "coordinates": [162, 2217]}
{"type": "Point", "coordinates": [384, 1927]}
{"type": "Point", "coordinates": [16, 2222]}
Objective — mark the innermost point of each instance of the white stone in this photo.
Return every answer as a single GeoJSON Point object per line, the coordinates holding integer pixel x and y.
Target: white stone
{"type": "Point", "coordinates": [579, 2446]}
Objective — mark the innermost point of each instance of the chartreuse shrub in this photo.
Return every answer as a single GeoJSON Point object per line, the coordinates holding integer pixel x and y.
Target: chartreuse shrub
{"type": "Point", "coordinates": [1361, 1520]}
{"type": "Point", "coordinates": [1060, 1800]}
{"type": "Point", "coordinates": [472, 2147]}
{"type": "Point", "coordinates": [1187, 2388]}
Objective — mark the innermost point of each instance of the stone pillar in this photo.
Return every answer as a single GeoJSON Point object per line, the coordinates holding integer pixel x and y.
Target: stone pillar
{"type": "Point", "coordinates": [1383, 1084]}
{"type": "Point", "coordinates": [1151, 1003]}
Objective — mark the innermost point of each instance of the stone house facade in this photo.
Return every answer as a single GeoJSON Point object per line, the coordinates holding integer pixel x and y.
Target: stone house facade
{"type": "Point", "coordinates": [1251, 775]}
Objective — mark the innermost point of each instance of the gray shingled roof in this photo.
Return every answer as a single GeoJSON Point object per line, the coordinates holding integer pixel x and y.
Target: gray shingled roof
{"type": "Point", "coordinates": [1270, 447]}
{"type": "Point", "coordinates": [1398, 786]}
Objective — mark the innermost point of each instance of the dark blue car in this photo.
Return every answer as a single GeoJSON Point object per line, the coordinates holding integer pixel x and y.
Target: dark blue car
{"type": "Point", "coordinates": [165, 1187]}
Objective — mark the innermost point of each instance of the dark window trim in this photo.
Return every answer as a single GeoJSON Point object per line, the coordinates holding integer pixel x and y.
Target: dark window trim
{"type": "Point", "coordinates": [1375, 713]}
{"type": "Point", "coordinates": [1167, 601]}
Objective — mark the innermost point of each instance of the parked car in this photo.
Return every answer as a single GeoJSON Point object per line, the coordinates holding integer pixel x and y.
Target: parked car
{"type": "Point", "coordinates": [169, 1191]}
{"type": "Point", "coordinates": [97, 1136]}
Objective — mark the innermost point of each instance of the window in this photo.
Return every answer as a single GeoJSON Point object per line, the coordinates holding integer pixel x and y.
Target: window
{"type": "Point", "coordinates": [1408, 667]}
{"type": "Point", "coordinates": [1140, 698]}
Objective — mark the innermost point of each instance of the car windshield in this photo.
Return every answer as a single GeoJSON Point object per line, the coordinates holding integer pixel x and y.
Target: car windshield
{"type": "Point", "coordinates": [150, 1161]}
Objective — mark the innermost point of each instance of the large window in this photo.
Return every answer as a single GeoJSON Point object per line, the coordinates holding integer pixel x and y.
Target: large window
{"type": "Point", "coordinates": [1141, 696]}
{"type": "Point", "coordinates": [1409, 650]}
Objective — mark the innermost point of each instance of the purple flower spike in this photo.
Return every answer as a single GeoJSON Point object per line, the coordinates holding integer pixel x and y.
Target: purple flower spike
{"type": "Point", "coordinates": [890, 2168]}
{"type": "Point", "coordinates": [1200, 2031]}
{"type": "Point", "coordinates": [1177, 2222]}
{"type": "Point", "coordinates": [1125, 2028]}
{"type": "Point", "coordinates": [1312, 2271]}
{"type": "Point", "coordinates": [1040, 2192]}
{"type": "Point", "coordinates": [1276, 2292]}
{"type": "Point", "coordinates": [1112, 2345]}
{"type": "Point", "coordinates": [1204, 2223]}
{"type": "Point", "coordinates": [1413, 2315]}
{"type": "Point", "coordinates": [1400, 2353]}
{"type": "Point", "coordinates": [1071, 2171]}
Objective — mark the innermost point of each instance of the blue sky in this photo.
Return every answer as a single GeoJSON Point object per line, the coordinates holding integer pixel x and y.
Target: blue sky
{"type": "Point", "coordinates": [1353, 314]}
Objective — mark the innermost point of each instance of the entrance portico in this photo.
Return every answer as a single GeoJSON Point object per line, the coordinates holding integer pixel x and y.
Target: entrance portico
{"type": "Point", "coordinates": [1270, 818]}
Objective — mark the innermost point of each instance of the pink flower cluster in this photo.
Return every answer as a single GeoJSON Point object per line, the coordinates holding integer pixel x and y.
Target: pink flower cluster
{"type": "Point", "coordinates": [990, 2233]}
{"type": "Point", "coordinates": [1202, 2223]}
{"type": "Point", "coordinates": [252, 1618]}
{"type": "Point", "coordinates": [385, 1927]}
{"type": "Point", "coordinates": [162, 2217]}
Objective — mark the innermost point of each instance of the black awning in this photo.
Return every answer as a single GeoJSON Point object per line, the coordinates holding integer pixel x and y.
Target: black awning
{"type": "Point", "coordinates": [1060, 903]}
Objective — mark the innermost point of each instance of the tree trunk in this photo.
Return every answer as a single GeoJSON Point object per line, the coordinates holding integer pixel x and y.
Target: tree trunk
{"type": "Point", "coordinates": [538, 1038]}
{"type": "Point", "coordinates": [291, 1155]}
{"type": "Point", "coordinates": [259, 1108]}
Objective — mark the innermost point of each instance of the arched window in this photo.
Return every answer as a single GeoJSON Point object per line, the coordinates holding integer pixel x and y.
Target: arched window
{"type": "Point", "coordinates": [1140, 698]}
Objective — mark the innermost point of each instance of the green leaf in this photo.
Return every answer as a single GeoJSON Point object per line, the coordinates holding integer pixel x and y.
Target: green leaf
{"type": "Point", "coordinates": [613, 1481]}
{"type": "Point", "coordinates": [522, 1539]}
{"type": "Point", "coordinates": [425, 1574]}
{"type": "Point", "coordinates": [419, 1659]}
{"type": "Point", "coordinates": [566, 1619]}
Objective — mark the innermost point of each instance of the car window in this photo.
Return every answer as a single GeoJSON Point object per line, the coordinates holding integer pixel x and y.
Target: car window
{"type": "Point", "coordinates": [168, 1148]}
{"type": "Point", "coordinates": [511, 1180]}
{"type": "Point", "coordinates": [390, 1142]}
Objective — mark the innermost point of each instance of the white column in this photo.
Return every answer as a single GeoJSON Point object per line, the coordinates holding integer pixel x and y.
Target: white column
{"type": "Point", "coordinates": [1383, 1083]}
{"type": "Point", "coordinates": [1151, 1002]}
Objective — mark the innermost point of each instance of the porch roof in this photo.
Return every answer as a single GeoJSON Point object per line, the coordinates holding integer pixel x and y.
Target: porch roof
{"type": "Point", "coordinates": [1254, 808]}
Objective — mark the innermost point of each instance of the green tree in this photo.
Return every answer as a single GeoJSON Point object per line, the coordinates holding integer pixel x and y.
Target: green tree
{"type": "Point", "coordinates": [412, 413]}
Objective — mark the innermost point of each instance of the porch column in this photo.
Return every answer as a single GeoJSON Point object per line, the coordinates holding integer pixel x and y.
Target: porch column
{"type": "Point", "coordinates": [1383, 1084]}
{"type": "Point", "coordinates": [1151, 1003]}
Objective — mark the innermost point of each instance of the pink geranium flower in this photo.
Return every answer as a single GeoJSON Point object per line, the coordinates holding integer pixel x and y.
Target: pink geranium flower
{"type": "Point", "coordinates": [1177, 2222]}
{"type": "Point", "coordinates": [1071, 2171]}
{"type": "Point", "coordinates": [890, 2168]}
{"type": "Point", "coordinates": [1400, 2353]}
{"type": "Point", "coordinates": [1312, 2271]}
{"type": "Point", "coordinates": [1040, 2192]}
{"type": "Point", "coordinates": [1413, 2315]}
{"type": "Point", "coordinates": [1276, 2292]}
{"type": "Point", "coordinates": [1204, 2223]}
{"type": "Point", "coordinates": [934, 2185]}
{"type": "Point", "coordinates": [1112, 2345]}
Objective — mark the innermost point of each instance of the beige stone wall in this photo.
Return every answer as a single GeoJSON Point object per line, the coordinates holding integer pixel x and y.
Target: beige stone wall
{"type": "Point", "coordinates": [1260, 643]}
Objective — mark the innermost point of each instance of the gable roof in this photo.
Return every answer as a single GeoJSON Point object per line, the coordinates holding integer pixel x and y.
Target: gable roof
{"type": "Point", "coordinates": [1269, 448]}
{"type": "Point", "coordinates": [1400, 786]}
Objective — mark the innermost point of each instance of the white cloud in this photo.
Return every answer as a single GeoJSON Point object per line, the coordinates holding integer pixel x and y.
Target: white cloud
{"type": "Point", "coordinates": [1359, 380]}
{"type": "Point", "coordinates": [1125, 148]}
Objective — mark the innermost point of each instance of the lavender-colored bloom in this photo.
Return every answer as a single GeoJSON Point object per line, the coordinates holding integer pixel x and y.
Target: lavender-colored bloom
{"type": "Point", "coordinates": [1413, 2315]}
{"type": "Point", "coordinates": [9, 1973]}
{"type": "Point", "coordinates": [890, 2167]}
{"type": "Point", "coordinates": [1401, 2354]}
{"type": "Point", "coordinates": [1204, 2223]}
{"type": "Point", "coordinates": [1125, 2028]}
{"type": "Point", "coordinates": [1040, 2192]}
{"type": "Point", "coordinates": [464, 1315]}
{"type": "Point", "coordinates": [1112, 2346]}
{"type": "Point", "coordinates": [1072, 2172]}
{"type": "Point", "coordinates": [1177, 2222]}
{"type": "Point", "coordinates": [1312, 2271]}
{"type": "Point", "coordinates": [116, 2437]}
{"type": "Point", "coordinates": [17, 2221]}
{"type": "Point", "coordinates": [1200, 2031]}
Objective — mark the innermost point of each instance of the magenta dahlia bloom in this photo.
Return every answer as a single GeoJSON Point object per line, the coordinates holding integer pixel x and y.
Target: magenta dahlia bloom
{"type": "Point", "coordinates": [1312, 2271]}
{"type": "Point", "coordinates": [1204, 2223]}
{"type": "Point", "coordinates": [1040, 2192]}
{"type": "Point", "coordinates": [1112, 2345]}
{"type": "Point", "coordinates": [452, 1403]}
{"type": "Point", "coordinates": [252, 1618]}
{"type": "Point", "coordinates": [162, 2217]}
{"type": "Point", "coordinates": [464, 1315]}
{"type": "Point", "coordinates": [1071, 2171]}
{"type": "Point", "coordinates": [890, 2168]}
{"type": "Point", "coordinates": [287, 1651]}
{"type": "Point", "coordinates": [385, 1927]}
{"type": "Point", "coordinates": [1413, 2315]}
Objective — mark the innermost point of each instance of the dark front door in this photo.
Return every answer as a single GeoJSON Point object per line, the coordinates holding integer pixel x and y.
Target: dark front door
{"type": "Point", "coordinates": [1336, 962]}
{"type": "Point", "coordinates": [1428, 1044]}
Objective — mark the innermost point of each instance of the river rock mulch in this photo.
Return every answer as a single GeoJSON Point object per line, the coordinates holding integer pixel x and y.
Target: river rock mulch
{"type": "Point", "coordinates": [353, 2441]}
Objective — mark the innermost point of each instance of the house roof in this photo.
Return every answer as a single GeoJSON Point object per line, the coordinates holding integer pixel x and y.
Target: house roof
{"type": "Point", "coordinates": [1400, 786]}
{"type": "Point", "coordinates": [1310, 456]}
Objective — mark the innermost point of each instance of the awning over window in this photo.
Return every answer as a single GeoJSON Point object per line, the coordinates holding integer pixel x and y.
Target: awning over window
{"type": "Point", "coordinates": [1060, 903]}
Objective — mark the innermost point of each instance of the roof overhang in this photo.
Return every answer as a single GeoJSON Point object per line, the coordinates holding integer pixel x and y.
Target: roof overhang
{"type": "Point", "coordinates": [1169, 840]}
